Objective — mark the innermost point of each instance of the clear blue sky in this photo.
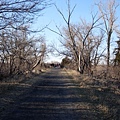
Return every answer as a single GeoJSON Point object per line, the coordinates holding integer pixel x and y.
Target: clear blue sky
{"type": "Point", "coordinates": [52, 17]}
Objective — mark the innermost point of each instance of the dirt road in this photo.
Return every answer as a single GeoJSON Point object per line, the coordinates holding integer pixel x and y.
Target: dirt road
{"type": "Point", "coordinates": [53, 96]}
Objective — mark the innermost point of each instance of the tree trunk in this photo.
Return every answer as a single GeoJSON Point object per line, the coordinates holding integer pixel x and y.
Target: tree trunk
{"type": "Point", "coordinates": [108, 49]}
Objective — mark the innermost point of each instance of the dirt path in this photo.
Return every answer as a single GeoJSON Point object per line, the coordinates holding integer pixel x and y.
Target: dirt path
{"type": "Point", "coordinates": [53, 96]}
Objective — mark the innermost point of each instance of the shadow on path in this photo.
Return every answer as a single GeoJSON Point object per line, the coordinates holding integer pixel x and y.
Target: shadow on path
{"type": "Point", "coordinates": [55, 97]}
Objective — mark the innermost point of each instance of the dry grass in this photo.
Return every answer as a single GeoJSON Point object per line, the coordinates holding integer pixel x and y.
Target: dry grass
{"type": "Point", "coordinates": [102, 96]}
{"type": "Point", "coordinates": [104, 93]}
{"type": "Point", "coordinates": [99, 83]}
{"type": "Point", "coordinates": [113, 72]}
{"type": "Point", "coordinates": [11, 88]}
{"type": "Point", "coordinates": [10, 83]}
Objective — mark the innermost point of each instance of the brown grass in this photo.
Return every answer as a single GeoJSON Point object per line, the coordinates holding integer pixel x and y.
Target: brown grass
{"type": "Point", "coordinates": [10, 83]}
{"type": "Point", "coordinates": [105, 94]}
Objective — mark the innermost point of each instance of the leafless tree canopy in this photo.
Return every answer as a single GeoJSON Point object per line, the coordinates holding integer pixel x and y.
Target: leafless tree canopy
{"type": "Point", "coordinates": [80, 41]}
{"type": "Point", "coordinates": [19, 52]}
{"type": "Point", "coordinates": [86, 43]}
{"type": "Point", "coordinates": [18, 12]}
{"type": "Point", "coordinates": [108, 12]}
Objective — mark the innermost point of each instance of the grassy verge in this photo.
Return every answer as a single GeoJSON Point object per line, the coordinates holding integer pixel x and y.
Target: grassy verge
{"type": "Point", "coordinates": [12, 88]}
{"type": "Point", "coordinates": [102, 95]}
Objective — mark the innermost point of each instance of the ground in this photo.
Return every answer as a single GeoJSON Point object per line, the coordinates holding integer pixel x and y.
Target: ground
{"type": "Point", "coordinates": [56, 95]}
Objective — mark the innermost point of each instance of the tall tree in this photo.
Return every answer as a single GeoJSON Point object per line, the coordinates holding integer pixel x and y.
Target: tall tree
{"type": "Point", "coordinates": [108, 12]}
{"type": "Point", "coordinates": [77, 39]}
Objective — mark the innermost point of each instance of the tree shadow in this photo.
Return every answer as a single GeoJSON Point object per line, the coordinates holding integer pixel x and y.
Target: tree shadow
{"type": "Point", "coordinates": [56, 97]}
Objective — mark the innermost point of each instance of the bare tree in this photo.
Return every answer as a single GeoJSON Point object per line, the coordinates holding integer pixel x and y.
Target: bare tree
{"type": "Point", "coordinates": [108, 12]}
{"type": "Point", "coordinates": [41, 53]}
{"type": "Point", "coordinates": [14, 13]}
{"type": "Point", "coordinates": [18, 53]}
{"type": "Point", "coordinates": [78, 39]}
{"type": "Point", "coordinates": [87, 45]}
{"type": "Point", "coordinates": [98, 50]}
